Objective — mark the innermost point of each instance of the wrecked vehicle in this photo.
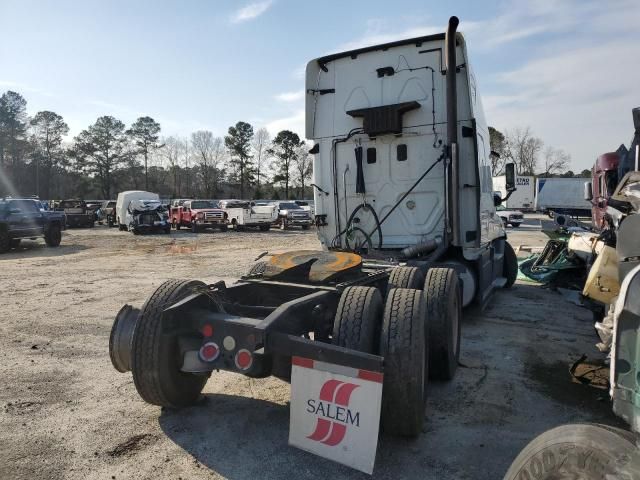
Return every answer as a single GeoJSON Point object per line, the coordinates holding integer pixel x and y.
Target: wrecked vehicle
{"type": "Point", "coordinates": [199, 215]}
{"type": "Point", "coordinates": [367, 322]}
{"type": "Point", "coordinates": [147, 216]}
{"type": "Point", "coordinates": [245, 214]}
{"type": "Point", "coordinates": [22, 218]}
{"type": "Point", "coordinates": [77, 213]}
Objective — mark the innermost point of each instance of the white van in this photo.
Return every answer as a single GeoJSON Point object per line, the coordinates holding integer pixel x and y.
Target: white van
{"type": "Point", "coordinates": [123, 202]}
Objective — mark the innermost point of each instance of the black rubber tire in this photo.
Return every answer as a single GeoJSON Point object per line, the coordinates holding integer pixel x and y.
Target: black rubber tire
{"type": "Point", "coordinates": [406, 277]}
{"type": "Point", "coordinates": [154, 361]}
{"type": "Point", "coordinates": [403, 346]}
{"type": "Point", "coordinates": [257, 268]}
{"type": "Point", "coordinates": [357, 321]}
{"type": "Point", "coordinates": [265, 228]}
{"type": "Point", "coordinates": [444, 315]}
{"type": "Point", "coordinates": [515, 225]}
{"type": "Point", "coordinates": [587, 452]}
{"type": "Point", "coordinates": [509, 265]}
{"type": "Point", "coordinates": [5, 241]}
{"type": "Point", "coordinates": [53, 235]}
{"type": "Point", "coordinates": [15, 243]}
{"type": "Point", "coordinates": [224, 228]}
{"type": "Point", "coordinates": [306, 227]}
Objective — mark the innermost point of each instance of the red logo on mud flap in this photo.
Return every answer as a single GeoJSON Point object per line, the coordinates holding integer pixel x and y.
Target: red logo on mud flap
{"type": "Point", "coordinates": [333, 412]}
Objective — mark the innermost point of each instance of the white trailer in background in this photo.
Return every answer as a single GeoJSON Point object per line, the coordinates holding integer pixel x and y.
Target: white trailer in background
{"type": "Point", "coordinates": [524, 196]}
{"type": "Point", "coordinates": [563, 196]}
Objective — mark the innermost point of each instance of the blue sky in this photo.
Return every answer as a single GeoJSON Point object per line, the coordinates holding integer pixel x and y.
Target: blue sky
{"type": "Point", "coordinates": [566, 68]}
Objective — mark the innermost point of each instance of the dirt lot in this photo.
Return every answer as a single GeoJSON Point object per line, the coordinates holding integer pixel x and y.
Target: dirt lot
{"type": "Point", "coordinates": [66, 413]}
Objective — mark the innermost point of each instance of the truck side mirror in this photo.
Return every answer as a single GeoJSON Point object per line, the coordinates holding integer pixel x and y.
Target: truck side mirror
{"type": "Point", "coordinates": [588, 191]}
{"type": "Point", "coordinates": [510, 177]}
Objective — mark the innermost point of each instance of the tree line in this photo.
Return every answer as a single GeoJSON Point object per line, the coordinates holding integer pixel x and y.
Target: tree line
{"type": "Point", "coordinates": [529, 154]}
{"type": "Point", "coordinates": [37, 158]}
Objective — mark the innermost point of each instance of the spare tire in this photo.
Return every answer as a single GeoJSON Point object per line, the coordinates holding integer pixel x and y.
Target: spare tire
{"type": "Point", "coordinates": [581, 451]}
{"type": "Point", "coordinates": [357, 319]}
{"type": "Point", "coordinates": [155, 362]}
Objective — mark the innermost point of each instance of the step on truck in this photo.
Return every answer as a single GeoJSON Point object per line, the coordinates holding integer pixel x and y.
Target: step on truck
{"type": "Point", "coordinates": [406, 215]}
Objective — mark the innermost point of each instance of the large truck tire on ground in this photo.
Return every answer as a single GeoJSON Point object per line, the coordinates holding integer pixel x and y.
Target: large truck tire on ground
{"type": "Point", "coordinates": [585, 452]}
{"type": "Point", "coordinates": [406, 215]}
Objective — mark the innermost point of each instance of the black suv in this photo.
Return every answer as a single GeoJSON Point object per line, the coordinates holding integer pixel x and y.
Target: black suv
{"type": "Point", "coordinates": [24, 218]}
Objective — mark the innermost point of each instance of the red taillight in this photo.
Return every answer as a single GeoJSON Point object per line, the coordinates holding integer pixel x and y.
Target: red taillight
{"type": "Point", "coordinates": [244, 359]}
{"type": "Point", "coordinates": [209, 352]}
{"type": "Point", "coordinates": [207, 331]}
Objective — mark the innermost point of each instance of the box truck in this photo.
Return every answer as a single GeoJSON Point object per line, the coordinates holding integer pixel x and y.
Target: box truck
{"type": "Point", "coordinates": [562, 196]}
{"type": "Point", "coordinates": [524, 196]}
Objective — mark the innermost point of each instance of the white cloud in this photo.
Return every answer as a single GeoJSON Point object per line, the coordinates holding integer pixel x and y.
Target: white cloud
{"type": "Point", "coordinates": [251, 11]}
{"type": "Point", "coordinates": [293, 122]}
{"type": "Point", "coordinates": [290, 96]}
{"type": "Point", "coordinates": [571, 100]}
{"type": "Point", "coordinates": [23, 88]}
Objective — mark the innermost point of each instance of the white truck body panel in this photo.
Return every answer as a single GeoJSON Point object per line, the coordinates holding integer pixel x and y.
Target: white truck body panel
{"type": "Point", "coordinates": [125, 198]}
{"type": "Point", "coordinates": [248, 215]}
{"type": "Point", "coordinates": [523, 198]}
{"type": "Point", "coordinates": [561, 194]}
{"type": "Point", "coordinates": [352, 83]}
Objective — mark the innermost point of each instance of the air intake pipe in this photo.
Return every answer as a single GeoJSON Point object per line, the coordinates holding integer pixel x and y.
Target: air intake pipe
{"type": "Point", "coordinates": [452, 176]}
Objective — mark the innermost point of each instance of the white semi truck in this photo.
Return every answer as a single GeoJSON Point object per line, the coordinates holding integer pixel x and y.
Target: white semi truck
{"type": "Point", "coordinates": [406, 215]}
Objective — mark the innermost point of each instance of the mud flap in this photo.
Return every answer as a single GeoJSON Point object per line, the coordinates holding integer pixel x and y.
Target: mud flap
{"type": "Point", "coordinates": [335, 412]}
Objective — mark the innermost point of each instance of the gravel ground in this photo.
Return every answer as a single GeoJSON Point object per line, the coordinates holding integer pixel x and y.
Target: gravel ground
{"type": "Point", "coordinates": [65, 413]}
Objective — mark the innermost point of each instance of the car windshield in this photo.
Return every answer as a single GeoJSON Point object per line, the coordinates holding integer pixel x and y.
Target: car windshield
{"type": "Point", "coordinates": [198, 204]}
{"type": "Point", "coordinates": [289, 206]}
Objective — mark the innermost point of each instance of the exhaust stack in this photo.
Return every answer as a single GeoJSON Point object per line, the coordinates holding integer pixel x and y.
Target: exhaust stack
{"type": "Point", "coordinates": [452, 211]}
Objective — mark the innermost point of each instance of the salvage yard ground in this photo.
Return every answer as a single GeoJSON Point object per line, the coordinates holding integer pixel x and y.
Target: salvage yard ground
{"type": "Point", "coordinates": [65, 413]}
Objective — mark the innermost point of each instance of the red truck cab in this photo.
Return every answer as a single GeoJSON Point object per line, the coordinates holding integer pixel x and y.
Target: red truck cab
{"type": "Point", "coordinates": [198, 215]}
{"type": "Point", "coordinates": [604, 179]}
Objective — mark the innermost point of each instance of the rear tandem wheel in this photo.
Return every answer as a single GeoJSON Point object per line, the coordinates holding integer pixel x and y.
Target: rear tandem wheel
{"type": "Point", "coordinates": [155, 362]}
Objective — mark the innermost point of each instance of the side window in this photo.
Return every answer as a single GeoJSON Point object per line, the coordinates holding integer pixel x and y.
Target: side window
{"type": "Point", "coordinates": [27, 206]}
{"type": "Point", "coordinates": [472, 86]}
{"type": "Point", "coordinates": [486, 182]}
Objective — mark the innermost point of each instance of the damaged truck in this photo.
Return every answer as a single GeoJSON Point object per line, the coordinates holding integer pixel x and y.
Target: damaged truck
{"type": "Point", "coordinates": [406, 217]}
{"type": "Point", "coordinates": [141, 212]}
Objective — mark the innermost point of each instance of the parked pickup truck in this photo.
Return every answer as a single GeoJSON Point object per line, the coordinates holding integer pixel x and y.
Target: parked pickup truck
{"type": "Point", "coordinates": [509, 216]}
{"type": "Point", "coordinates": [244, 214]}
{"type": "Point", "coordinates": [77, 213]}
{"type": "Point", "coordinates": [22, 218]}
{"type": "Point", "coordinates": [199, 215]}
{"type": "Point", "coordinates": [290, 214]}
